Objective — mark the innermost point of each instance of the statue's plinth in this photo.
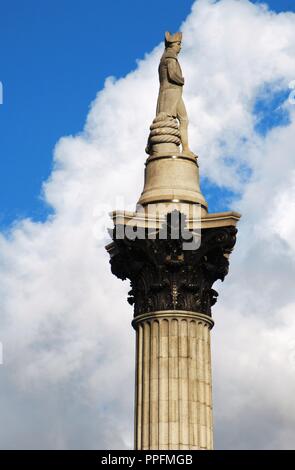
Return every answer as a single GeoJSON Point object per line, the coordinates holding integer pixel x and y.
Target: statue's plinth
{"type": "Point", "coordinates": [154, 220]}
{"type": "Point", "coordinates": [172, 178]}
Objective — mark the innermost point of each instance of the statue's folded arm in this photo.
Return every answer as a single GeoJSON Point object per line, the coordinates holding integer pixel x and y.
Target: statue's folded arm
{"type": "Point", "coordinates": [173, 75]}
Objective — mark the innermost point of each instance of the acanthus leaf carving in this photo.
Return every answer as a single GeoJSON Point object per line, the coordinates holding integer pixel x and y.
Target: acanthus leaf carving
{"type": "Point", "coordinates": [164, 276]}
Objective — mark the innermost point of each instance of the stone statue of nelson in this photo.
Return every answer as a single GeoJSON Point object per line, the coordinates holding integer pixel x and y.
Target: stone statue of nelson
{"type": "Point", "coordinates": [170, 99]}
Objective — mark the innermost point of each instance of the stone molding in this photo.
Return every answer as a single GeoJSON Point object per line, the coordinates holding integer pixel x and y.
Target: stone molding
{"type": "Point", "coordinates": [172, 314]}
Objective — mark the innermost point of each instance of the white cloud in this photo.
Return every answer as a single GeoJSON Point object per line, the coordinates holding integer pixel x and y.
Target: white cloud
{"type": "Point", "coordinates": [65, 322]}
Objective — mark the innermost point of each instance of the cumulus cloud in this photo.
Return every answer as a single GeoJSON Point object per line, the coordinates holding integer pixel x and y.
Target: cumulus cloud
{"type": "Point", "coordinates": [65, 323]}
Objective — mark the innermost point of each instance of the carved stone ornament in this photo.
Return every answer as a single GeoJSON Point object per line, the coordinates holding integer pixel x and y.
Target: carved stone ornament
{"type": "Point", "coordinates": [164, 275]}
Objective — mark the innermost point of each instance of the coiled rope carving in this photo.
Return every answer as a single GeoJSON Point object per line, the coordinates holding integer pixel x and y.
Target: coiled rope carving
{"type": "Point", "coordinates": [164, 130]}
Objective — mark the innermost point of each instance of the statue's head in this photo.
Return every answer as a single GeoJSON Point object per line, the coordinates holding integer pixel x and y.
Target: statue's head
{"type": "Point", "coordinates": [173, 41]}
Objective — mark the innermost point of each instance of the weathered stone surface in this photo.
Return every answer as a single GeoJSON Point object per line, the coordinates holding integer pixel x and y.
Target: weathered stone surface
{"type": "Point", "coordinates": [173, 396]}
{"type": "Point", "coordinates": [171, 282]}
{"type": "Point", "coordinates": [165, 276]}
{"type": "Point", "coordinates": [166, 132]}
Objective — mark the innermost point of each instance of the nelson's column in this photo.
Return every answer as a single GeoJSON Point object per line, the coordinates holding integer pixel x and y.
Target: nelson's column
{"type": "Point", "coordinates": [172, 250]}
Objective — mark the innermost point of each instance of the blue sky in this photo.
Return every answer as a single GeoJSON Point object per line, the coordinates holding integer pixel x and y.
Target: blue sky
{"type": "Point", "coordinates": [55, 56]}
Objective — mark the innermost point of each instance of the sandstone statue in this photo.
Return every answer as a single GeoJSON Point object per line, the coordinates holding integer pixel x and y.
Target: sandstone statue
{"type": "Point", "coordinates": [169, 128]}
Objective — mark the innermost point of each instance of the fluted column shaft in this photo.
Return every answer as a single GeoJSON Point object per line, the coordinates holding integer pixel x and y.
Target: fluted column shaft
{"type": "Point", "coordinates": [173, 396]}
